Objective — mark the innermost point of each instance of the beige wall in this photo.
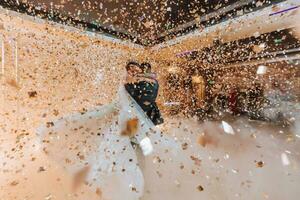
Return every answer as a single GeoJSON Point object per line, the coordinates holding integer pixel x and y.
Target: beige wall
{"type": "Point", "coordinates": [68, 70]}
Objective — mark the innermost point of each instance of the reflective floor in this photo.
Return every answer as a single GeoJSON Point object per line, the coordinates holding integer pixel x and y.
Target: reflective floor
{"type": "Point", "coordinates": [261, 161]}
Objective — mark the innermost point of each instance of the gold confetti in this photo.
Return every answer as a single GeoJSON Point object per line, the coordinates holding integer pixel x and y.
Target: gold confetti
{"type": "Point", "coordinates": [14, 183]}
{"type": "Point", "coordinates": [99, 192]}
{"type": "Point", "coordinates": [200, 188]}
{"type": "Point", "coordinates": [80, 177]}
{"type": "Point", "coordinates": [260, 164]}
{"type": "Point", "coordinates": [131, 127]}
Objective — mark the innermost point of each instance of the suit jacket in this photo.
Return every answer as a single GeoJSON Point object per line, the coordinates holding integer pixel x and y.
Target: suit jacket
{"type": "Point", "coordinates": [145, 94]}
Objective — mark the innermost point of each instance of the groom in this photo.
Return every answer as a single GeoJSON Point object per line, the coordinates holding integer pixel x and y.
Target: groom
{"type": "Point", "coordinates": [143, 87]}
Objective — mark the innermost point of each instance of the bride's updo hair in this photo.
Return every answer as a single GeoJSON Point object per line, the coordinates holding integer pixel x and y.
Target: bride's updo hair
{"type": "Point", "coordinates": [146, 67]}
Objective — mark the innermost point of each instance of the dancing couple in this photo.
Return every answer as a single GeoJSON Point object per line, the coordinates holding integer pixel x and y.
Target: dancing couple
{"type": "Point", "coordinates": [143, 86]}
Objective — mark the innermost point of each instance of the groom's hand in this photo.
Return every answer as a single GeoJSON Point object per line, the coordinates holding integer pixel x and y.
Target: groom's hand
{"type": "Point", "coordinates": [129, 79]}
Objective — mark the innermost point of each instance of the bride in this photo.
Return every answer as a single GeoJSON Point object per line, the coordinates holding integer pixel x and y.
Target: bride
{"type": "Point", "coordinates": [103, 146]}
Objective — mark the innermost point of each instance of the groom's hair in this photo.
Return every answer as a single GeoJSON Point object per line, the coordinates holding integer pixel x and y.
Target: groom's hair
{"type": "Point", "coordinates": [131, 64]}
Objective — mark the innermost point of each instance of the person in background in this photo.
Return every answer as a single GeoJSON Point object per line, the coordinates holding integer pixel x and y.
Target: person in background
{"type": "Point", "coordinates": [280, 105]}
{"type": "Point", "coordinates": [255, 95]}
{"type": "Point", "coordinates": [232, 100]}
{"type": "Point", "coordinates": [143, 86]}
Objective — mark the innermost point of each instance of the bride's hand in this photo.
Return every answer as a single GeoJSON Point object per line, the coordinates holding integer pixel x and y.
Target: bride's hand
{"type": "Point", "coordinates": [133, 79]}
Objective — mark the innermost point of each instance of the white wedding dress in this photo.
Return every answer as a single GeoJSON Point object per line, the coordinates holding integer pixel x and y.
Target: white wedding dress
{"type": "Point", "coordinates": [93, 139]}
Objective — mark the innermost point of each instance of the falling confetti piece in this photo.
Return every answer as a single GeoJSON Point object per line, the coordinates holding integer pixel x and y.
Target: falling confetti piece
{"type": "Point", "coordinates": [32, 94]}
{"type": "Point", "coordinates": [41, 169]}
{"type": "Point", "coordinates": [55, 112]}
{"type": "Point", "coordinates": [49, 124]}
{"type": "Point", "coordinates": [80, 177]}
{"type": "Point", "coordinates": [197, 161]}
{"type": "Point", "coordinates": [99, 192]}
{"type": "Point", "coordinates": [14, 183]}
{"type": "Point", "coordinates": [171, 103]}
{"type": "Point", "coordinates": [284, 159]}
{"type": "Point", "coordinates": [131, 127]}
{"type": "Point", "coordinates": [48, 197]}
{"type": "Point", "coordinates": [177, 183]}
{"type": "Point", "coordinates": [260, 164]}
{"type": "Point", "coordinates": [227, 128]}
{"type": "Point", "coordinates": [202, 140]}
{"type": "Point", "coordinates": [146, 146]}
{"type": "Point", "coordinates": [256, 34]}
{"type": "Point", "coordinates": [200, 188]}
{"type": "Point", "coordinates": [13, 83]}
{"type": "Point", "coordinates": [258, 48]}
{"type": "Point", "coordinates": [184, 146]}
{"type": "Point", "coordinates": [261, 70]}
{"type": "Point", "coordinates": [226, 157]}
